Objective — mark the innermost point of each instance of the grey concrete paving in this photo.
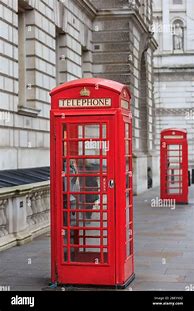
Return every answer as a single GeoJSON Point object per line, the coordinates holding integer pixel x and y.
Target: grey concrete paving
{"type": "Point", "coordinates": [164, 251]}
{"type": "Point", "coordinates": [164, 244]}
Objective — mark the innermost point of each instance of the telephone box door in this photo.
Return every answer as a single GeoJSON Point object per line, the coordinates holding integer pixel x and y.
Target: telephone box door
{"type": "Point", "coordinates": [85, 200]}
{"type": "Point", "coordinates": [174, 170]}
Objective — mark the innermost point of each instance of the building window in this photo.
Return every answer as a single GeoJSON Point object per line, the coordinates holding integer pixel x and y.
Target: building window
{"type": "Point", "coordinates": [178, 35]}
{"type": "Point", "coordinates": [22, 57]}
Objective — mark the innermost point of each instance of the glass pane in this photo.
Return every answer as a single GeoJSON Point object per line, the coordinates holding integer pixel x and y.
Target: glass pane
{"type": "Point", "coordinates": [105, 224]}
{"type": "Point", "coordinates": [127, 147]}
{"type": "Point", "coordinates": [92, 147]}
{"type": "Point", "coordinates": [65, 201]}
{"type": "Point", "coordinates": [128, 249]}
{"type": "Point", "coordinates": [64, 131]}
{"type": "Point", "coordinates": [104, 207]}
{"type": "Point", "coordinates": [64, 184]}
{"type": "Point", "coordinates": [175, 190]}
{"type": "Point", "coordinates": [80, 148]}
{"type": "Point", "coordinates": [105, 255]}
{"type": "Point", "coordinates": [104, 131]}
{"type": "Point", "coordinates": [105, 147]}
{"type": "Point", "coordinates": [81, 202]}
{"type": "Point", "coordinates": [80, 131]}
{"type": "Point", "coordinates": [64, 148]}
{"type": "Point", "coordinates": [92, 184]}
{"type": "Point", "coordinates": [104, 165]}
{"type": "Point", "coordinates": [105, 241]}
{"type": "Point", "coordinates": [174, 147]}
{"type": "Point", "coordinates": [64, 235]}
{"type": "Point", "coordinates": [127, 181]}
{"type": "Point", "coordinates": [88, 218]}
{"type": "Point", "coordinates": [65, 219]}
{"type": "Point", "coordinates": [82, 254]}
{"type": "Point", "coordinates": [88, 165]}
{"type": "Point", "coordinates": [127, 163]}
{"type": "Point", "coordinates": [65, 254]}
{"type": "Point", "coordinates": [127, 216]}
{"type": "Point", "coordinates": [126, 130]}
{"type": "Point", "coordinates": [73, 131]}
{"type": "Point", "coordinates": [92, 131]}
{"type": "Point", "coordinates": [73, 148]}
{"type": "Point", "coordinates": [104, 216]}
{"type": "Point", "coordinates": [104, 199]}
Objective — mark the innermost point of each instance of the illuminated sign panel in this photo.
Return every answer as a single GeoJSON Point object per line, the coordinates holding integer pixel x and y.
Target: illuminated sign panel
{"type": "Point", "coordinates": [85, 103]}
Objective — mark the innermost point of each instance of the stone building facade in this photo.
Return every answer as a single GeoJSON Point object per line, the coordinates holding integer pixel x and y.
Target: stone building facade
{"type": "Point", "coordinates": [174, 68]}
{"type": "Point", "coordinates": [123, 51]}
{"type": "Point", "coordinates": [48, 42]}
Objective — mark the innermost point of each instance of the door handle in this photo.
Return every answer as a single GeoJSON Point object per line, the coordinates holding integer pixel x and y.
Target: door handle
{"type": "Point", "coordinates": [111, 183]}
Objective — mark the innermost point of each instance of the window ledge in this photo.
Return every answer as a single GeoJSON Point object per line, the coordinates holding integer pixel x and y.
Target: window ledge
{"type": "Point", "coordinates": [32, 112]}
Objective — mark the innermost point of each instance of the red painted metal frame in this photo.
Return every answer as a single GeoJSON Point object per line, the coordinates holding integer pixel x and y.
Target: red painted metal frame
{"type": "Point", "coordinates": [120, 269]}
{"type": "Point", "coordinates": [174, 151]}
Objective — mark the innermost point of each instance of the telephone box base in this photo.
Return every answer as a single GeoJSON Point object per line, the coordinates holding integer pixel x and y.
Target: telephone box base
{"type": "Point", "coordinates": [75, 287]}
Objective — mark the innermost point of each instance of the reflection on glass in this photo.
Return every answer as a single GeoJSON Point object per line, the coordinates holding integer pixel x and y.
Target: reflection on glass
{"type": "Point", "coordinates": [104, 165]}
{"type": "Point", "coordinates": [88, 165]}
{"type": "Point", "coordinates": [92, 131]}
{"type": "Point", "coordinates": [90, 183]}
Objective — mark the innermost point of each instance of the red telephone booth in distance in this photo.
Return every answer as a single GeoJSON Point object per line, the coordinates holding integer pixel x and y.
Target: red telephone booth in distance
{"type": "Point", "coordinates": [91, 184]}
{"type": "Point", "coordinates": [174, 165]}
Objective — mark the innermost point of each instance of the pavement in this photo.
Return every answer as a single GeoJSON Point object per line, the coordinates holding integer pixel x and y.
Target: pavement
{"type": "Point", "coordinates": [164, 251]}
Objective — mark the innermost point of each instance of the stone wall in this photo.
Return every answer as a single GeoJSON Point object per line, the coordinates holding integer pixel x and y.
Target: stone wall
{"type": "Point", "coordinates": [24, 213]}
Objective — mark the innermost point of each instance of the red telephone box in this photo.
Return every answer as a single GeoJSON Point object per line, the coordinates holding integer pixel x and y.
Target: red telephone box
{"type": "Point", "coordinates": [174, 165]}
{"type": "Point", "coordinates": [91, 183]}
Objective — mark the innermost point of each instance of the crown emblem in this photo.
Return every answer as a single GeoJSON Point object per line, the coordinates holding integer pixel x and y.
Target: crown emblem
{"type": "Point", "coordinates": [85, 92]}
